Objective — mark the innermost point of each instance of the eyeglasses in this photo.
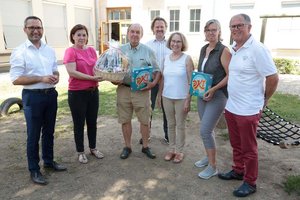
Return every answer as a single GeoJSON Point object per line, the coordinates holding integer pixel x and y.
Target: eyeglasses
{"type": "Point", "coordinates": [237, 26]}
{"type": "Point", "coordinates": [176, 41]}
{"type": "Point", "coordinates": [211, 30]}
{"type": "Point", "coordinates": [33, 28]}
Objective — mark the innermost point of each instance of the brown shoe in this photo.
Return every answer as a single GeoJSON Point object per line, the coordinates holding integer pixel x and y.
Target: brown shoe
{"type": "Point", "coordinates": [169, 156]}
{"type": "Point", "coordinates": [178, 158]}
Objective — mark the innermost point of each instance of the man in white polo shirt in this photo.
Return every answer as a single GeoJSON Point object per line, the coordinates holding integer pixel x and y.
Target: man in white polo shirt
{"type": "Point", "coordinates": [252, 81]}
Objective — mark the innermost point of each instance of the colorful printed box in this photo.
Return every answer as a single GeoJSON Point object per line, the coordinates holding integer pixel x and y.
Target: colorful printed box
{"type": "Point", "coordinates": [200, 83]}
{"type": "Point", "coordinates": [140, 76]}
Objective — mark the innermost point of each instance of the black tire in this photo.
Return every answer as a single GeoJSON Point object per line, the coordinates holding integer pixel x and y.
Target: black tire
{"type": "Point", "coordinates": [5, 106]}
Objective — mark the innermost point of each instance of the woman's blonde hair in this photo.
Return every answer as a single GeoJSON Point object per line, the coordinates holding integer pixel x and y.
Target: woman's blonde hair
{"type": "Point", "coordinates": [183, 39]}
{"type": "Point", "coordinates": [214, 21]}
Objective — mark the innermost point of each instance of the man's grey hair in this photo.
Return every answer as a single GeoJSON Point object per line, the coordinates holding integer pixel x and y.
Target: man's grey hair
{"type": "Point", "coordinates": [246, 18]}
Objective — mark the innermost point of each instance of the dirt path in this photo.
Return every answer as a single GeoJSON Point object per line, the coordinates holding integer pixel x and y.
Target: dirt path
{"type": "Point", "coordinates": [137, 177]}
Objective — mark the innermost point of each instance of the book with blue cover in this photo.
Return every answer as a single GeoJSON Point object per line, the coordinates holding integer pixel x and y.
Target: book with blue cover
{"type": "Point", "coordinates": [200, 83]}
{"type": "Point", "coordinates": [140, 76]}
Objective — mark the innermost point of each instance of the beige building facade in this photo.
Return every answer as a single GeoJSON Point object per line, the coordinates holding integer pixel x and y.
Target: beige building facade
{"type": "Point", "coordinates": [275, 22]}
{"type": "Point", "coordinates": [58, 16]}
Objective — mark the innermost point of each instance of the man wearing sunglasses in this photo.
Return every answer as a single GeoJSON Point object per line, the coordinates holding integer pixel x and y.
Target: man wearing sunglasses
{"type": "Point", "coordinates": [33, 65]}
{"type": "Point", "coordinates": [252, 81]}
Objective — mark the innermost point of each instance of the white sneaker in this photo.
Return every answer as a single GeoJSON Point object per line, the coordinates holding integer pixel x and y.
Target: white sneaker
{"type": "Point", "coordinates": [208, 172]}
{"type": "Point", "coordinates": [82, 158]}
{"type": "Point", "coordinates": [202, 163]}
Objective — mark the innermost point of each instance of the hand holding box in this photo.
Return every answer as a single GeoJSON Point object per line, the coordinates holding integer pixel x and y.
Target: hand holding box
{"type": "Point", "coordinates": [140, 77]}
{"type": "Point", "coordinates": [200, 83]}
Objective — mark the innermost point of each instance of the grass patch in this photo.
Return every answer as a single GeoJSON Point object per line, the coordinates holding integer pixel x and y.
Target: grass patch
{"type": "Point", "coordinates": [63, 130]}
{"type": "Point", "coordinates": [107, 101]}
{"type": "Point", "coordinates": [63, 106]}
{"type": "Point", "coordinates": [287, 106]}
{"type": "Point", "coordinates": [108, 97]}
{"type": "Point", "coordinates": [283, 104]}
{"type": "Point", "coordinates": [292, 184]}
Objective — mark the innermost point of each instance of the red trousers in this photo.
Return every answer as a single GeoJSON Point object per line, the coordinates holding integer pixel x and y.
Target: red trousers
{"type": "Point", "coordinates": [242, 134]}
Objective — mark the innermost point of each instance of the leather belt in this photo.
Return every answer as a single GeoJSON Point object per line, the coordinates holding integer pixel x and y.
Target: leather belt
{"type": "Point", "coordinates": [45, 91]}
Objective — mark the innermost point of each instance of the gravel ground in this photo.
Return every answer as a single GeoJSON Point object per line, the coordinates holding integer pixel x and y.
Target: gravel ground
{"type": "Point", "coordinates": [289, 84]}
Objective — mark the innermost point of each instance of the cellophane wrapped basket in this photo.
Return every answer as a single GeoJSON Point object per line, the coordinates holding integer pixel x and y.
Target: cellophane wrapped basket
{"type": "Point", "coordinates": [112, 64]}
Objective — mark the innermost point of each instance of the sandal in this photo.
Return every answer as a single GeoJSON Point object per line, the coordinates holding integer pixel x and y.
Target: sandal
{"type": "Point", "coordinates": [178, 158]}
{"type": "Point", "coordinates": [82, 158]}
{"type": "Point", "coordinates": [97, 153]}
{"type": "Point", "coordinates": [169, 156]}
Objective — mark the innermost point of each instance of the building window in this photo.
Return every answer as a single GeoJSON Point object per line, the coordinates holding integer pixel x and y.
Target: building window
{"type": "Point", "coordinates": [174, 20]}
{"type": "Point", "coordinates": [154, 13]}
{"type": "Point", "coordinates": [195, 20]}
{"type": "Point", "coordinates": [84, 16]}
{"type": "Point", "coordinates": [55, 25]}
{"type": "Point", "coordinates": [13, 14]}
{"type": "Point", "coordinates": [119, 14]}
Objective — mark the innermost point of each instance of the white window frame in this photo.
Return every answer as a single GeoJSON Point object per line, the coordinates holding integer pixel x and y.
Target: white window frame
{"type": "Point", "coordinates": [56, 34]}
{"type": "Point", "coordinates": [193, 27]}
{"type": "Point", "coordinates": [173, 20]}
{"type": "Point", "coordinates": [153, 14]}
{"type": "Point", "coordinates": [119, 14]}
{"type": "Point", "coordinates": [13, 24]}
{"type": "Point", "coordinates": [87, 23]}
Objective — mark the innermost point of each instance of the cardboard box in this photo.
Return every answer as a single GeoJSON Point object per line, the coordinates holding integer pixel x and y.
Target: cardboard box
{"type": "Point", "coordinates": [200, 83]}
{"type": "Point", "coordinates": [140, 76]}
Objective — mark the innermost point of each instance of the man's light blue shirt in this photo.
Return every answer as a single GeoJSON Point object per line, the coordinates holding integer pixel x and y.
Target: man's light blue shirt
{"type": "Point", "coordinates": [140, 56]}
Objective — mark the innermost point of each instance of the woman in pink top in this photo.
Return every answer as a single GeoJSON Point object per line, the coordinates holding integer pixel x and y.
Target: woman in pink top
{"type": "Point", "coordinates": [83, 94]}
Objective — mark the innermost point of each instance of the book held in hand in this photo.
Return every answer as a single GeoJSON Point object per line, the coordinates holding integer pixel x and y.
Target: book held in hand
{"type": "Point", "coordinates": [140, 76]}
{"type": "Point", "coordinates": [200, 83]}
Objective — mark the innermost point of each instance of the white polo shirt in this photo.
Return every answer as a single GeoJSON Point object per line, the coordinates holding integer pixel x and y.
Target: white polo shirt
{"type": "Point", "coordinates": [246, 83]}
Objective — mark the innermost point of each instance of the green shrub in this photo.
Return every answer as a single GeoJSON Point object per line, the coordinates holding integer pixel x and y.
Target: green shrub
{"type": "Point", "coordinates": [287, 66]}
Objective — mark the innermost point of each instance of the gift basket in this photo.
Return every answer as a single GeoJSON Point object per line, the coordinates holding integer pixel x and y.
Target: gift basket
{"type": "Point", "coordinates": [112, 64]}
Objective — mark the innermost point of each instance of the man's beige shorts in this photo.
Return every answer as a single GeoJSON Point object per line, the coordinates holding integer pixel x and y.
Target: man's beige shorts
{"type": "Point", "coordinates": [129, 101]}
